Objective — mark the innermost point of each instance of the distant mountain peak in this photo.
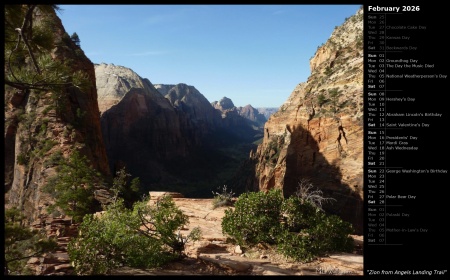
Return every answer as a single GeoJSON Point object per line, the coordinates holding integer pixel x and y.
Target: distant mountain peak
{"type": "Point", "coordinates": [226, 103]}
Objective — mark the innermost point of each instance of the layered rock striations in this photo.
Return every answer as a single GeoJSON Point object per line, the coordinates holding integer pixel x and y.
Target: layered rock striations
{"type": "Point", "coordinates": [41, 124]}
{"type": "Point", "coordinates": [317, 134]}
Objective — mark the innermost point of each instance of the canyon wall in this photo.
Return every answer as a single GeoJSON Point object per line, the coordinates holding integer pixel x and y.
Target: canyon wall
{"type": "Point", "coordinates": [317, 134]}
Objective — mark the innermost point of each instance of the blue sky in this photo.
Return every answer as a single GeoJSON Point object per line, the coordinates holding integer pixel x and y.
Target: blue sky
{"type": "Point", "coordinates": [252, 54]}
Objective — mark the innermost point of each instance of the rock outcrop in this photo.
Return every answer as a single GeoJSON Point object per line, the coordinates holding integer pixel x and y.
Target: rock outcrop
{"type": "Point", "coordinates": [317, 134]}
{"type": "Point", "coordinates": [254, 117]}
{"type": "Point", "coordinates": [114, 81]}
{"type": "Point", "coordinates": [42, 123]}
{"type": "Point", "coordinates": [56, 262]}
{"type": "Point", "coordinates": [267, 111]}
{"type": "Point", "coordinates": [169, 136]}
{"type": "Point", "coordinates": [197, 108]}
{"type": "Point", "coordinates": [237, 120]}
{"type": "Point", "coordinates": [223, 104]}
{"type": "Point", "coordinates": [142, 130]}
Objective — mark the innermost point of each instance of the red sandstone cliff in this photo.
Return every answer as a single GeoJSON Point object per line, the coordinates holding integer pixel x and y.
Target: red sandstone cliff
{"type": "Point", "coordinates": [35, 129]}
{"type": "Point", "coordinates": [317, 134]}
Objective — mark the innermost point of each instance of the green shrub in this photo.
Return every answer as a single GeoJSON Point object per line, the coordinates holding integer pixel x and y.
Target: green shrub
{"type": "Point", "coordinates": [296, 246]}
{"type": "Point", "coordinates": [73, 186]}
{"type": "Point", "coordinates": [106, 242]}
{"type": "Point", "coordinates": [256, 218]}
{"type": "Point", "coordinates": [321, 99]}
{"type": "Point", "coordinates": [22, 242]}
{"type": "Point", "coordinates": [310, 232]}
{"type": "Point", "coordinates": [144, 237]}
{"type": "Point", "coordinates": [54, 159]}
{"type": "Point", "coordinates": [125, 188]}
{"type": "Point", "coordinates": [331, 234]}
{"type": "Point", "coordinates": [297, 225]}
{"type": "Point", "coordinates": [22, 159]}
{"type": "Point", "coordinates": [298, 214]}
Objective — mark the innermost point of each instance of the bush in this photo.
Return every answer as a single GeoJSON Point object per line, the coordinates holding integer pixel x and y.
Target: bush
{"type": "Point", "coordinates": [296, 246]}
{"type": "Point", "coordinates": [22, 159]}
{"type": "Point", "coordinates": [145, 237]}
{"type": "Point", "coordinates": [298, 214]}
{"type": "Point", "coordinates": [256, 218]}
{"type": "Point", "coordinates": [223, 199]}
{"type": "Point", "coordinates": [22, 243]}
{"type": "Point", "coordinates": [321, 99]}
{"type": "Point", "coordinates": [331, 234]}
{"type": "Point", "coordinates": [297, 225]}
{"type": "Point", "coordinates": [73, 187]}
{"type": "Point", "coordinates": [125, 188]}
{"type": "Point", "coordinates": [54, 159]}
{"type": "Point", "coordinates": [106, 242]}
{"type": "Point", "coordinates": [309, 232]}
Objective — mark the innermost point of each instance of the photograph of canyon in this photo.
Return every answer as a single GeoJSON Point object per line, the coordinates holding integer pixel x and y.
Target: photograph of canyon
{"type": "Point", "coordinates": [114, 170]}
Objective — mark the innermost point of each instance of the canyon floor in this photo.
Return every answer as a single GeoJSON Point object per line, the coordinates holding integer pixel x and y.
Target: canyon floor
{"type": "Point", "coordinates": [214, 255]}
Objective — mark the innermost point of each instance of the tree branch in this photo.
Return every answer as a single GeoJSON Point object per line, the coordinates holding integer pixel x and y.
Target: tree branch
{"type": "Point", "coordinates": [27, 21]}
{"type": "Point", "coordinates": [44, 86]}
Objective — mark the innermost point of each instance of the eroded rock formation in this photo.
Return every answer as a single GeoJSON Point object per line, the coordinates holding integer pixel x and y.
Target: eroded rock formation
{"type": "Point", "coordinates": [142, 130]}
{"type": "Point", "coordinates": [40, 124]}
{"type": "Point", "coordinates": [168, 134]}
{"type": "Point", "coordinates": [253, 115]}
{"type": "Point", "coordinates": [197, 108]}
{"type": "Point", "coordinates": [267, 111]}
{"type": "Point", "coordinates": [244, 122]}
{"type": "Point", "coordinates": [317, 134]}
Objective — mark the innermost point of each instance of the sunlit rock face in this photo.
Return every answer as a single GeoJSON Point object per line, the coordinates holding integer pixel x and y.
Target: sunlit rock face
{"type": "Point", "coordinates": [34, 129]}
{"type": "Point", "coordinates": [317, 134]}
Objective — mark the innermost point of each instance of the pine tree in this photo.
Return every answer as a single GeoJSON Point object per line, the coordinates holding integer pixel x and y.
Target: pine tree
{"type": "Point", "coordinates": [29, 40]}
{"type": "Point", "coordinates": [75, 39]}
{"type": "Point", "coordinates": [73, 187]}
{"type": "Point", "coordinates": [22, 243]}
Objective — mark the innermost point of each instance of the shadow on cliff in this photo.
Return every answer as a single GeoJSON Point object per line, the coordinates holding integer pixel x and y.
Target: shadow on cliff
{"type": "Point", "coordinates": [304, 161]}
{"type": "Point", "coordinates": [167, 150]}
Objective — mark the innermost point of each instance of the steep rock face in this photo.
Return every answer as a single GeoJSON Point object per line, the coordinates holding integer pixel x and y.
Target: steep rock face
{"type": "Point", "coordinates": [223, 104]}
{"type": "Point", "coordinates": [142, 136]}
{"type": "Point", "coordinates": [239, 125]}
{"type": "Point", "coordinates": [167, 135]}
{"type": "Point", "coordinates": [142, 131]}
{"type": "Point", "coordinates": [252, 114]}
{"type": "Point", "coordinates": [267, 111]}
{"type": "Point", "coordinates": [114, 81]}
{"type": "Point", "coordinates": [317, 134]}
{"type": "Point", "coordinates": [34, 131]}
{"type": "Point", "coordinates": [189, 100]}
